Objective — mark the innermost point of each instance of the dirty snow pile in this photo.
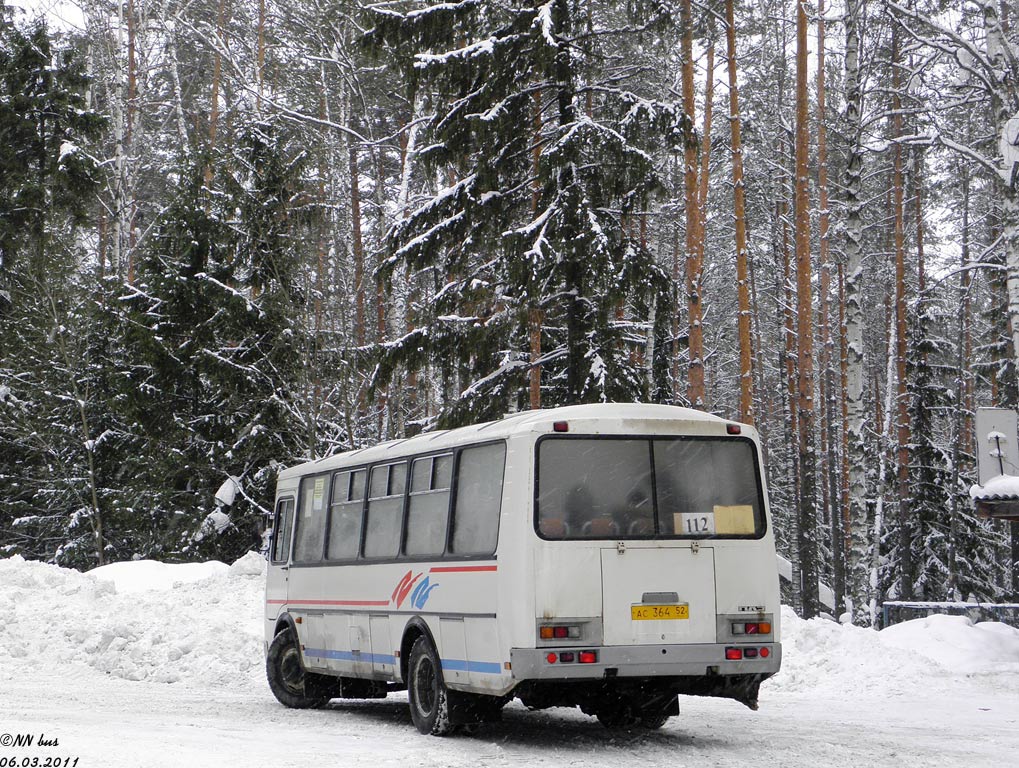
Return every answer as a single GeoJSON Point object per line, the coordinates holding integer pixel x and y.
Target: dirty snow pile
{"type": "Point", "coordinates": [143, 620]}
{"type": "Point", "coordinates": [938, 653]}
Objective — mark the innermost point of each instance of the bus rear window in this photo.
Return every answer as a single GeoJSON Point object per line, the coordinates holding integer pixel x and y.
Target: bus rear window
{"type": "Point", "coordinates": [611, 488]}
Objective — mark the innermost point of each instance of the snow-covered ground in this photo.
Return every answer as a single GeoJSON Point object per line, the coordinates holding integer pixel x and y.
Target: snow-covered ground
{"type": "Point", "coordinates": [144, 664]}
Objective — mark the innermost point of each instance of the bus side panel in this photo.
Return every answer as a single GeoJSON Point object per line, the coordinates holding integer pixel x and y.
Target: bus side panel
{"type": "Point", "coordinates": [312, 630]}
{"type": "Point", "coordinates": [483, 658]}
{"type": "Point", "coordinates": [383, 660]}
{"type": "Point", "coordinates": [337, 639]}
{"type": "Point", "coordinates": [567, 583]}
{"type": "Point", "coordinates": [304, 584]}
{"type": "Point", "coordinates": [453, 650]}
{"type": "Point", "coordinates": [359, 634]}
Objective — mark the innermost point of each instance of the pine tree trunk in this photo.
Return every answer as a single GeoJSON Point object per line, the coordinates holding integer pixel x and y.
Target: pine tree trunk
{"type": "Point", "coordinates": [695, 374]}
{"type": "Point", "coordinates": [806, 534]}
{"type": "Point", "coordinates": [746, 351]}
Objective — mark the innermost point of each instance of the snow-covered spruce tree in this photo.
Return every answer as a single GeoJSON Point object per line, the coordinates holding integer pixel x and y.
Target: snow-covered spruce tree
{"type": "Point", "coordinates": [47, 181]}
{"type": "Point", "coordinates": [217, 349]}
{"type": "Point", "coordinates": [537, 141]}
{"type": "Point", "coordinates": [930, 462]}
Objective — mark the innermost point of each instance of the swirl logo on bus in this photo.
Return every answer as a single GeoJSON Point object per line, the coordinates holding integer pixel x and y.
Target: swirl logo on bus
{"type": "Point", "coordinates": [418, 590]}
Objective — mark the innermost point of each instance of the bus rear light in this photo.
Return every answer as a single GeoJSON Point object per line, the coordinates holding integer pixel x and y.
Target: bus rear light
{"type": "Point", "coordinates": [733, 654]}
{"type": "Point", "coordinates": [733, 429]}
{"type": "Point", "coordinates": [750, 653]}
{"type": "Point", "coordinates": [561, 426]}
{"type": "Point", "coordinates": [751, 628]}
{"type": "Point", "coordinates": [765, 653]}
{"type": "Point", "coordinates": [559, 632]}
{"type": "Point", "coordinates": [551, 658]}
{"type": "Point", "coordinates": [567, 657]}
{"type": "Point", "coordinates": [588, 657]}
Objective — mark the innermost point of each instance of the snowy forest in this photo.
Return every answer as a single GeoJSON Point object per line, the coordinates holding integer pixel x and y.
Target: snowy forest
{"type": "Point", "coordinates": [239, 234]}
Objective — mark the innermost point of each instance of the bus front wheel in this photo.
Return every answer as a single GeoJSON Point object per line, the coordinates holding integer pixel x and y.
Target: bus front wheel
{"type": "Point", "coordinates": [429, 702]}
{"type": "Point", "coordinates": [290, 684]}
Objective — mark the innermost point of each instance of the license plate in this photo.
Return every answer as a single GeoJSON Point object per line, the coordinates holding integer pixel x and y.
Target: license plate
{"type": "Point", "coordinates": [659, 612]}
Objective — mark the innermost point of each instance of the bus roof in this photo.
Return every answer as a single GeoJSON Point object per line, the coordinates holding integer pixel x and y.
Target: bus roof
{"type": "Point", "coordinates": [623, 414]}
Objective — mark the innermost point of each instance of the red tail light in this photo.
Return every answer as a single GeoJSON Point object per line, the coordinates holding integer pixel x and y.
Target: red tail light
{"type": "Point", "coordinates": [750, 653]}
{"type": "Point", "coordinates": [588, 657]}
{"type": "Point", "coordinates": [765, 653]}
{"type": "Point", "coordinates": [551, 658]}
{"type": "Point", "coordinates": [567, 657]}
{"type": "Point", "coordinates": [561, 426]}
{"type": "Point", "coordinates": [733, 429]}
{"type": "Point", "coordinates": [733, 654]}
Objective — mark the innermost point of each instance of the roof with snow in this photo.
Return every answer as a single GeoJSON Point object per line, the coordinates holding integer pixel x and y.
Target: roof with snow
{"type": "Point", "coordinates": [998, 497]}
{"type": "Point", "coordinates": [608, 418]}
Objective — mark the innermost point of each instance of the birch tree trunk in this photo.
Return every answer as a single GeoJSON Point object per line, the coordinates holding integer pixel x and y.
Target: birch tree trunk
{"type": "Point", "coordinates": [856, 443]}
{"type": "Point", "coordinates": [901, 398]}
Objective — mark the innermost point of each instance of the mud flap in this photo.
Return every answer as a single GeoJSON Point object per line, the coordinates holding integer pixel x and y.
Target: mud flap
{"type": "Point", "coordinates": [470, 708]}
{"type": "Point", "coordinates": [744, 690]}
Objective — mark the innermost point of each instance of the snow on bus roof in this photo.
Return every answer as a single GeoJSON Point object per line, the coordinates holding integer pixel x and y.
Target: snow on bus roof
{"type": "Point", "coordinates": [517, 422]}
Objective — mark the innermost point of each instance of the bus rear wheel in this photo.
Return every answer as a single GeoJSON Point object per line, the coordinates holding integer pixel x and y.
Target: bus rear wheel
{"type": "Point", "coordinates": [426, 690]}
{"type": "Point", "coordinates": [289, 682]}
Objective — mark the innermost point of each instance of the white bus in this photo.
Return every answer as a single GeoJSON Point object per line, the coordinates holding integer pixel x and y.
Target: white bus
{"type": "Point", "coordinates": [609, 557]}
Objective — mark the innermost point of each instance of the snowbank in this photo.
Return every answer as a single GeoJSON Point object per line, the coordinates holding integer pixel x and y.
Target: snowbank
{"type": "Point", "coordinates": [141, 620]}
{"type": "Point", "coordinates": [938, 652]}
{"type": "Point", "coordinates": [142, 575]}
{"type": "Point", "coordinates": [201, 624]}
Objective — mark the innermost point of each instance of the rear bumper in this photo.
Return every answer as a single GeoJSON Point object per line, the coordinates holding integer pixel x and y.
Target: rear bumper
{"type": "Point", "coordinates": [645, 661]}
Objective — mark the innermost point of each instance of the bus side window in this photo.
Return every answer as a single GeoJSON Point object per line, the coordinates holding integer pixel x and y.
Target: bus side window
{"type": "Point", "coordinates": [281, 528]}
{"type": "Point", "coordinates": [428, 508]}
{"type": "Point", "coordinates": [478, 499]}
{"type": "Point", "coordinates": [385, 510]}
{"type": "Point", "coordinates": [309, 537]}
{"type": "Point", "coordinates": [345, 514]}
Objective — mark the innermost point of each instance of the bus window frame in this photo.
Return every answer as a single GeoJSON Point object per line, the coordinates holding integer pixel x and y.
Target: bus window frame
{"type": "Point", "coordinates": [401, 557]}
{"type": "Point", "coordinates": [454, 493]}
{"type": "Point", "coordinates": [453, 453]}
{"type": "Point", "coordinates": [297, 509]}
{"type": "Point", "coordinates": [651, 439]}
{"type": "Point", "coordinates": [352, 470]}
{"type": "Point", "coordinates": [388, 464]}
{"type": "Point", "coordinates": [276, 530]}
